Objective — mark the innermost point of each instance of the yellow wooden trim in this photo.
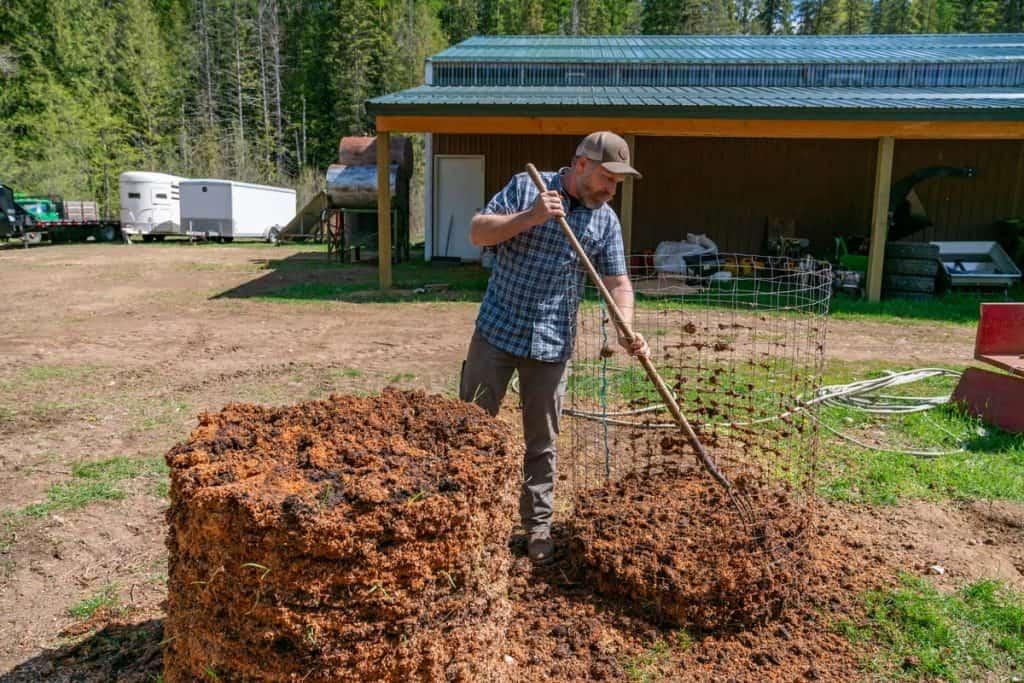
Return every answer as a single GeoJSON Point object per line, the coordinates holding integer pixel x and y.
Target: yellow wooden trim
{"type": "Point", "coordinates": [384, 208]}
{"type": "Point", "coordinates": [736, 128]}
{"type": "Point", "coordinates": [880, 217]}
{"type": "Point", "coordinates": [626, 217]}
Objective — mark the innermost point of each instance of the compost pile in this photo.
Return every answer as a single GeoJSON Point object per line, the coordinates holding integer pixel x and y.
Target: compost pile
{"type": "Point", "coordinates": [356, 538]}
{"type": "Point", "coordinates": [670, 539]}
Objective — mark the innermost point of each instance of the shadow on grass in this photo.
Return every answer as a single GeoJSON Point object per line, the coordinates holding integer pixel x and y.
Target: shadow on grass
{"type": "Point", "coordinates": [955, 306]}
{"type": "Point", "coordinates": [123, 652]}
{"type": "Point", "coordinates": [309, 276]}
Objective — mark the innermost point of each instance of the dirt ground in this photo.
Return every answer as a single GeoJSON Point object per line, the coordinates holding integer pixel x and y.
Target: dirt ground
{"type": "Point", "coordinates": [113, 350]}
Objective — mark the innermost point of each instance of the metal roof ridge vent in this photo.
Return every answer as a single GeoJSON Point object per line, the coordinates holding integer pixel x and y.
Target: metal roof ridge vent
{"type": "Point", "coordinates": [662, 74]}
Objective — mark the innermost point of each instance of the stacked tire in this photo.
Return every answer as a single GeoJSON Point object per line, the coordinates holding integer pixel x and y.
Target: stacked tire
{"type": "Point", "coordinates": [911, 270]}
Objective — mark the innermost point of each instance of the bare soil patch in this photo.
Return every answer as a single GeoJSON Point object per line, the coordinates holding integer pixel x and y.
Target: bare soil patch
{"type": "Point", "coordinates": [163, 333]}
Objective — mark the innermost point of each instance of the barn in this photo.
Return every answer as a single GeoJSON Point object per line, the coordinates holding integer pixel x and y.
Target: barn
{"type": "Point", "coordinates": [737, 137]}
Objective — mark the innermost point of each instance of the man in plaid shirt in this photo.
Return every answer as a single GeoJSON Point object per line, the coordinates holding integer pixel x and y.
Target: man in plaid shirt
{"type": "Point", "coordinates": [528, 316]}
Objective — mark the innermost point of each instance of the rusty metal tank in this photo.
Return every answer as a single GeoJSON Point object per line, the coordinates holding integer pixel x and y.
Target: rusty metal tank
{"type": "Point", "coordinates": [352, 183]}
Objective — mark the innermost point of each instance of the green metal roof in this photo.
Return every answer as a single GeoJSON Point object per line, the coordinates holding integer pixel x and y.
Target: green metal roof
{"type": "Point", "coordinates": [737, 49]}
{"type": "Point", "coordinates": [720, 102]}
{"type": "Point", "coordinates": [912, 77]}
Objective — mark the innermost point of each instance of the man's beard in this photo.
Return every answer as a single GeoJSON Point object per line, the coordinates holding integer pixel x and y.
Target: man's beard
{"type": "Point", "coordinates": [591, 199]}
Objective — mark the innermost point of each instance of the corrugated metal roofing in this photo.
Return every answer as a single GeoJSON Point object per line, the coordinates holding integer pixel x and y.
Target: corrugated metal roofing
{"type": "Point", "coordinates": [948, 103]}
{"type": "Point", "coordinates": [738, 49]}
{"type": "Point", "coordinates": [908, 76]}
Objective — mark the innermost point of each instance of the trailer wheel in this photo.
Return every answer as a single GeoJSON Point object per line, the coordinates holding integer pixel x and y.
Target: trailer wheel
{"type": "Point", "coordinates": [106, 233]}
{"type": "Point", "coordinates": [148, 238]}
{"type": "Point", "coordinates": [273, 236]}
{"type": "Point", "coordinates": [228, 240]}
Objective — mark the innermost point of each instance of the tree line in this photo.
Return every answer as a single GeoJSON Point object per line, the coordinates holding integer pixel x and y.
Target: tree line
{"type": "Point", "coordinates": [262, 90]}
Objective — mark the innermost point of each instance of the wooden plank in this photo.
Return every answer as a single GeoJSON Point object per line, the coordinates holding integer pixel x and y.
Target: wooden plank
{"type": "Point", "coordinates": [383, 210]}
{"type": "Point", "coordinates": [737, 128]}
{"type": "Point", "coordinates": [880, 217]}
{"type": "Point", "coordinates": [626, 212]}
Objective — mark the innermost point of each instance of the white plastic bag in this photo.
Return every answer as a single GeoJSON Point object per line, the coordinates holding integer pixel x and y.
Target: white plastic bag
{"type": "Point", "coordinates": [670, 257]}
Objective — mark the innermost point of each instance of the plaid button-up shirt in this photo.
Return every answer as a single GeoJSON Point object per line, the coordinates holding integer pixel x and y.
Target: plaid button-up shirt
{"type": "Point", "coordinates": [533, 295]}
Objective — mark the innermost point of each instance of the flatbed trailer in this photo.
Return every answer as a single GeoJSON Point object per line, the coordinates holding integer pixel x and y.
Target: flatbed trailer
{"type": "Point", "coordinates": [63, 231]}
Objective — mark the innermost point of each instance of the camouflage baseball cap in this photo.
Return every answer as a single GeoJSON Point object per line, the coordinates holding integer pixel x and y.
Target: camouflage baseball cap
{"type": "Point", "coordinates": [609, 149]}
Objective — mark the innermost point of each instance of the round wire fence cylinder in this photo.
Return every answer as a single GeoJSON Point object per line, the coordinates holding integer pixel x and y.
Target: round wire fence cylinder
{"type": "Point", "coordinates": [740, 340]}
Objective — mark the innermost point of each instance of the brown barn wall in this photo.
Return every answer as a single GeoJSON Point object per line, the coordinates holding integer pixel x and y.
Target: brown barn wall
{"type": "Point", "coordinates": [729, 188]}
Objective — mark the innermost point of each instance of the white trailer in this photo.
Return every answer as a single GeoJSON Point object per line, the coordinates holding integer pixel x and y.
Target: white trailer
{"type": "Point", "coordinates": [150, 204]}
{"type": "Point", "coordinates": [226, 209]}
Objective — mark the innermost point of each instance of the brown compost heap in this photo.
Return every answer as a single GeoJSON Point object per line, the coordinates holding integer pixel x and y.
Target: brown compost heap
{"type": "Point", "coordinates": [672, 542]}
{"type": "Point", "coordinates": [354, 538]}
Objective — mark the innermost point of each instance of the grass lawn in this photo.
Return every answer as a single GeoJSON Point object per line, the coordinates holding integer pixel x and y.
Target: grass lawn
{"type": "Point", "coordinates": [982, 462]}
{"type": "Point", "coordinates": [952, 307]}
{"type": "Point", "coordinates": [467, 282]}
{"type": "Point", "coordinates": [914, 631]}
{"type": "Point", "coordinates": [926, 635]}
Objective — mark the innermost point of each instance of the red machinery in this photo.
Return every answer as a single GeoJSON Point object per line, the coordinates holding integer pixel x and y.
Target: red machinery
{"type": "Point", "coordinates": [996, 397]}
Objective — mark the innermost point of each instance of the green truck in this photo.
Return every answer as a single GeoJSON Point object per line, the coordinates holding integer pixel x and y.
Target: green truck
{"type": "Point", "coordinates": [35, 218]}
{"type": "Point", "coordinates": [43, 209]}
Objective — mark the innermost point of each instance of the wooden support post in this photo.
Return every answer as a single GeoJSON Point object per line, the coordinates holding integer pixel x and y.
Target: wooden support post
{"type": "Point", "coordinates": [627, 202]}
{"type": "Point", "coordinates": [880, 217]}
{"type": "Point", "coordinates": [384, 209]}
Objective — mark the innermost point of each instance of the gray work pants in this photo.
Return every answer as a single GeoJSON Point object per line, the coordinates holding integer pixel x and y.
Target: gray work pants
{"type": "Point", "coordinates": [485, 376]}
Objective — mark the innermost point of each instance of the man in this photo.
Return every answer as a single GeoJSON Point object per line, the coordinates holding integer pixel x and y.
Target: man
{"type": "Point", "coordinates": [527, 319]}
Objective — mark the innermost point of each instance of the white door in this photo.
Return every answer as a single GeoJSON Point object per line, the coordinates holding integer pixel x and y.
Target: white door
{"type": "Point", "coordinates": [458, 194]}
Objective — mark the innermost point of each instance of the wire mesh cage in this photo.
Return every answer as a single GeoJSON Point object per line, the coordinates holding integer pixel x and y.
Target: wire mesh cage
{"type": "Point", "coordinates": [740, 339]}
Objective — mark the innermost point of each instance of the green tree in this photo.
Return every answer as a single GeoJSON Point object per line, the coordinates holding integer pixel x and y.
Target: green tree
{"type": "Point", "coordinates": [817, 17]}
{"type": "Point", "coordinates": [669, 17]}
{"type": "Point", "coordinates": [1013, 16]}
{"type": "Point", "coordinates": [854, 16]}
{"type": "Point", "coordinates": [894, 16]}
{"type": "Point", "coordinates": [774, 16]}
{"type": "Point", "coordinates": [980, 16]}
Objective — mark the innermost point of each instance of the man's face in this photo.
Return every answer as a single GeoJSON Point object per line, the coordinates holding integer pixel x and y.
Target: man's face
{"type": "Point", "coordinates": [595, 184]}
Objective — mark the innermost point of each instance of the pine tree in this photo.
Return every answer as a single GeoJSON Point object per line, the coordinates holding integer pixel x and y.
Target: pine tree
{"type": "Point", "coordinates": [774, 16]}
{"type": "Point", "coordinates": [719, 17]}
{"type": "Point", "coordinates": [671, 17]}
{"type": "Point", "coordinates": [853, 16]}
{"type": "Point", "coordinates": [979, 16]}
{"type": "Point", "coordinates": [894, 16]}
{"type": "Point", "coordinates": [1013, 16]}
{"type": "Point", "coordinates": [459, 19]}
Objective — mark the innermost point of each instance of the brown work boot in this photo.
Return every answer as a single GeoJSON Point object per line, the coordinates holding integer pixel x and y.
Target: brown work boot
{"type": "Point", "coordinates": [540, 548]}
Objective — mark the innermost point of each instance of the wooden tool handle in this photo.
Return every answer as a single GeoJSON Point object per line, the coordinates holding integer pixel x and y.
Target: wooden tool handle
{"type": "Point", "coordinates": [627, 331]}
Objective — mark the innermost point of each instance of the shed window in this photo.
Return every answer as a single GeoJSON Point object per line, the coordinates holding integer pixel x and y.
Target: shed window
{"type": "Point", "coordinates": [134, 195]}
